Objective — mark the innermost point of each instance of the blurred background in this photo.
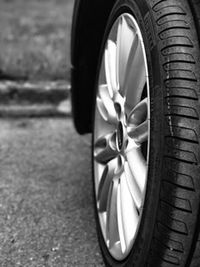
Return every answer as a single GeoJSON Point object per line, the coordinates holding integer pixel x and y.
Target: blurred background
{"type": "Point", "coordinates": [35, 57]}
{"type": "Point", "coordinates": [35, 39]}
{"type": "Point", "coordinates": [46, 203]}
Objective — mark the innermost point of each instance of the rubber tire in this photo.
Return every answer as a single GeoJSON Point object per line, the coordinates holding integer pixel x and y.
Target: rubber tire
{"type": "Point", "coordinates": [195, 6]}
{"type": "Point", "coordinates": [169, 228]}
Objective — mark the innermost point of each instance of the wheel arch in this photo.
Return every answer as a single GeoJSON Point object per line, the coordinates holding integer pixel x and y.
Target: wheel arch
{"type": "Point", "coordinates": [89, 23]}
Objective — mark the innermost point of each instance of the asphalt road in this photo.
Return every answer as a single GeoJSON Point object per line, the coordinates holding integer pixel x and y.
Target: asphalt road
{"type": "Point", "coordinates": [46, 210]}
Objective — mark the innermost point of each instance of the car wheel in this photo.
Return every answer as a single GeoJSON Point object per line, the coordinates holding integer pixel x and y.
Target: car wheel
{"type": "Point", "coordinates": [145, 150]}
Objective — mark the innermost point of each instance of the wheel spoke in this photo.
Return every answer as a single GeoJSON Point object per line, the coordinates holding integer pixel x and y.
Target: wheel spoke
{"type": "Point", "coordinates": [129, 214]}
{"type": "Point", "coordinates": [105, 148]}
{"type": "Point", "coordinates": [139, 113]}
{"type": "Point", "coordinates": [123, 244]}
{"type": "Point", "coordinates": [123, 49]}
{"type": "Point", "coordinates": [133, 187]}
{"type": "Point", "coordinates": [138, 167]}
{"type": "Point", "coordinates": [112, 219]}
{"type": "Point", "coordinates": [104, 185]}
{"type": "Point", "coordinates": [136, 75]}
{"type": "Point", "coordinates": [110, 66]}
{"type": "Point", "coordinates": [139, 133]}
{"type": "Point", "coordinates": [138, 123]}
{"type": "Point", "coordinates": [105, 105]}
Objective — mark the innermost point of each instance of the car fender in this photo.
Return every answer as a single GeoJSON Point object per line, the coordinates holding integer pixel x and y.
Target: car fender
{"type": "Point", "coordinates": [89, 23]}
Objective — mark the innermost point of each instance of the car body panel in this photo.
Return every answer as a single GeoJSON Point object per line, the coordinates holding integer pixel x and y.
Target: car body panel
{"type": "Point", "coordinates": [89, 22]}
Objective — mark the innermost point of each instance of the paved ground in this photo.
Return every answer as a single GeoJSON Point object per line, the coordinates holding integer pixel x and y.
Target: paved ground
{"type": "Point", "coordinates": [46, 213]}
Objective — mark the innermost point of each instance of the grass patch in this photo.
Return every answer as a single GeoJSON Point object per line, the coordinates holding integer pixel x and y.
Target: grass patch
{"type": "Point", "coordinates": [35, 39]}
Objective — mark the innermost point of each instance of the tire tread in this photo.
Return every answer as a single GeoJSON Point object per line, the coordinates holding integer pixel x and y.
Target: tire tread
{"type": "Point", "coordinates": [177, 216]}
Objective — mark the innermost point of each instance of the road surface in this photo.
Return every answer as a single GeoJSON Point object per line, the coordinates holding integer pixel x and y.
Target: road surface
{"type": "Point", "coordinates": [46, 210]}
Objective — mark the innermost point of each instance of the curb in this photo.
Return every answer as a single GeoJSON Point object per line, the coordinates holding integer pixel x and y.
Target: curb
{"type": "Point", "coordinates": [16, 111]}
{"type": "Point", "coordinates": [34, 99]}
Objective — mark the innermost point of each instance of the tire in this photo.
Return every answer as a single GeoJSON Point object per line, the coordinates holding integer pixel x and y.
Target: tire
{"type": "Point", "coordinates": [195, 6]}
{"type": "Point", "coordinates": [168, 227]}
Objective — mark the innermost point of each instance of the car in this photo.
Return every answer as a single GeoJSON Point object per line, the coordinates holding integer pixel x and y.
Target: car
{"type": "Point", "coordinates": [136, 88]}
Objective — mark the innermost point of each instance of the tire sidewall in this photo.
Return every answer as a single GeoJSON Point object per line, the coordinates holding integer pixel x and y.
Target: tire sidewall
{"type": "Point", "coordinates": [142, 13]}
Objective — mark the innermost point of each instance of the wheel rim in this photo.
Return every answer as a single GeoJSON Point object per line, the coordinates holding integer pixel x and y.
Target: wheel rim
{"type": "Point", "coordinates": [121, 136]}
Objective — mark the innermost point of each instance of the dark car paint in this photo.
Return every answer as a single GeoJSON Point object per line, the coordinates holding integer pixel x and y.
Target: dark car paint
{"type": "Point", "coordinates": [89, 22]}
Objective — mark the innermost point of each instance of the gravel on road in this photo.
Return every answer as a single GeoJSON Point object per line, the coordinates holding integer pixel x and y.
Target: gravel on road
{"type": "Point", "coordinates": [46, 210]}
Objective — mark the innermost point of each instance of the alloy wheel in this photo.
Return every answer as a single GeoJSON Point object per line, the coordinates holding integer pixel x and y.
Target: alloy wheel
{"type": "Point", "coordinates": [122, 136]}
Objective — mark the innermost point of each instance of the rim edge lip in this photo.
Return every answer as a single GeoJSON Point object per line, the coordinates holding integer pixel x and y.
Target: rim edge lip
{"type": "Point", "coordinates": [96, 165]}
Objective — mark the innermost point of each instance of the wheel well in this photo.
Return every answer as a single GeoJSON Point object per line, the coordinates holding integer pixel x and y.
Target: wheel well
{"type": "Point", "coordinates": [90, 18]}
